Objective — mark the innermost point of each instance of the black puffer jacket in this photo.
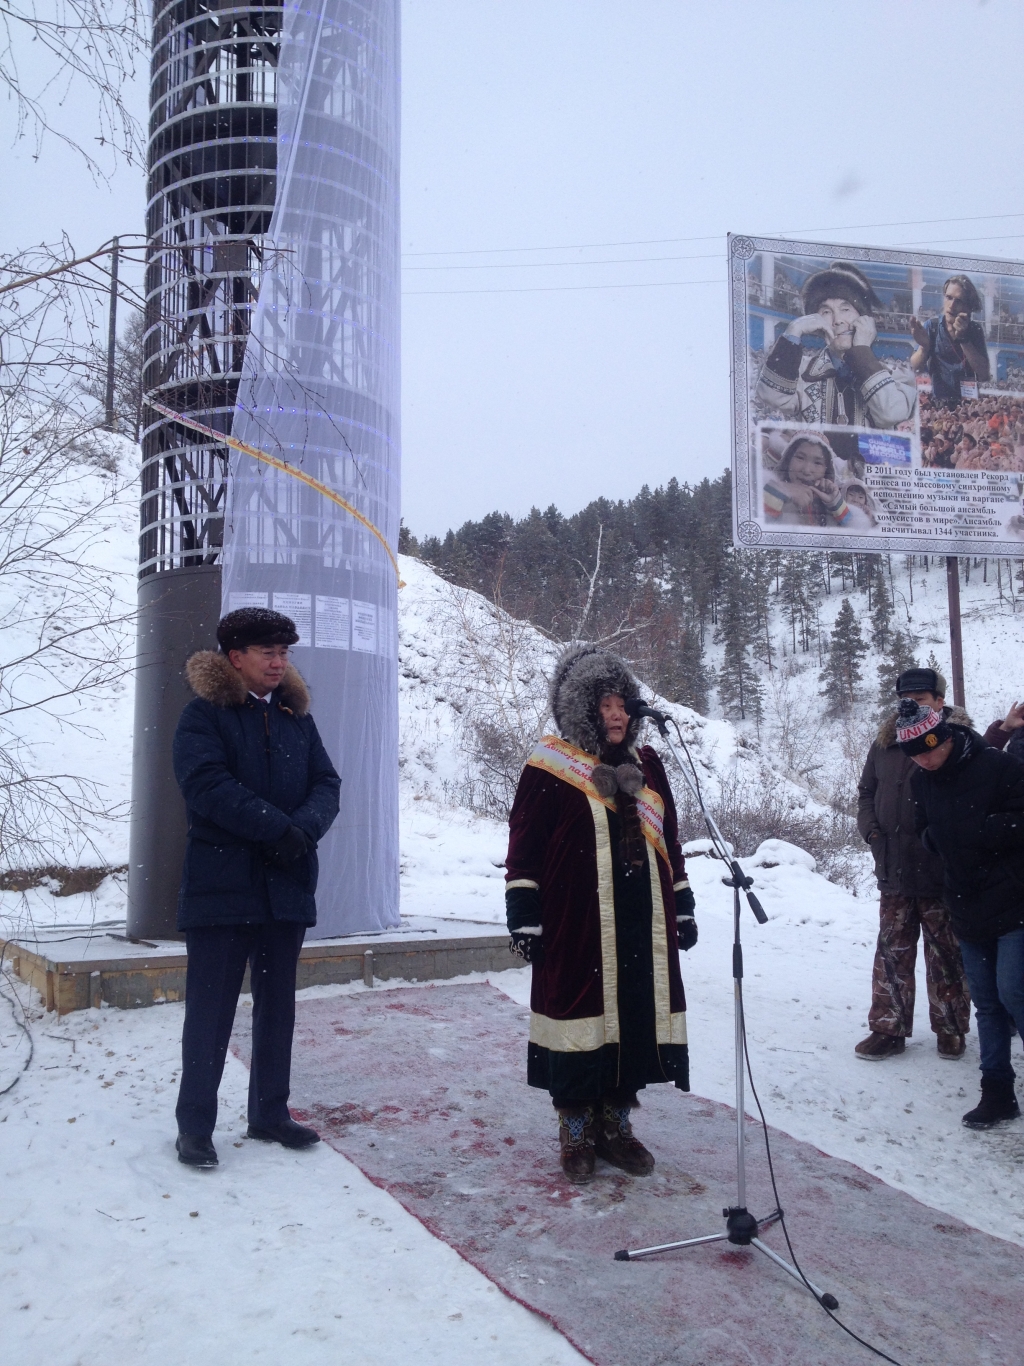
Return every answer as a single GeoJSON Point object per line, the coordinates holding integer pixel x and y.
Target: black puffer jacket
{"type": "Point", "coordinates": [247, 776]}
{"type": "Point", "coordinates": [971, 813]}
{"type": "Point", "coordinates": [885, 816]}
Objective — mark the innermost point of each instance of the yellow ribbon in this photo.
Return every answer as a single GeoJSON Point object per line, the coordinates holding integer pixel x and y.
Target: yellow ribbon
{"type": "Point", "coordinates": [575, 767]}
{"type": "Point", "coordinates": [284, 467]}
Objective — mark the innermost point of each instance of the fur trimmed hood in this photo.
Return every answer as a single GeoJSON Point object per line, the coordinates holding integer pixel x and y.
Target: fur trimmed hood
{"type": "Point", "coordinates": [583, 675]}
{"type": "Point", "coordinates": [211, 676]}
{"type": "Point", "coordinates": [886, 736]}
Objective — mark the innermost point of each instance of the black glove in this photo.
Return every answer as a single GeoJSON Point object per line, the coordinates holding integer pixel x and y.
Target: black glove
{"type": "Point", "coordinates": [685, 904]}
{"type": "Point", "coordinates": [526, 946]}
{"type": "Point", "coordinates": [686, 926]}
{"type": "Point", "coordinates": [686, 932]}
{"type": "Point", "coordinates": [283, 852]}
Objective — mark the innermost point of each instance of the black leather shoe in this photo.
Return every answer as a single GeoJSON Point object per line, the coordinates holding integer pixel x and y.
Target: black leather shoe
{"type": "Point", "coordinates": [287, 1133]}
{"type": "Point", "coordinates": [196, 1152]}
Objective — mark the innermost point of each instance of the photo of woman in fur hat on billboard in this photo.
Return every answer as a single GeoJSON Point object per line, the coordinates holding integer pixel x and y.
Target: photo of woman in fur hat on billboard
{"type": "Point", "coordinates": [802, 489]}
{"type": "Point", "coordinates": [843, 383]}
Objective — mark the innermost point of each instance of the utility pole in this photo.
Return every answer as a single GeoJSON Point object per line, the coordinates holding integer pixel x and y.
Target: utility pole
{"type": "Point", "coordinates": [111, 421]}
{"type": "Point", "coordinates": [956, 640]}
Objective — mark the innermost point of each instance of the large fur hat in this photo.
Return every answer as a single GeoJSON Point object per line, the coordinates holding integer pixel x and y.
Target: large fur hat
{"type": "Point", "coordinates": [841, 281]}
{"type": "Point", "coordinates": [583, 675]}
{"type": "Point", "coordinates": [255, 626]}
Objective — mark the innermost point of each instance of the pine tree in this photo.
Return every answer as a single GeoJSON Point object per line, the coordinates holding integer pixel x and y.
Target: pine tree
{"type": "Point", "coordinates": [407, 542]}
{"type": "Point", "coordinates": [899, 656]}
{"type": "Point", "coordinates": [739, 688]}
{"type": "Point", "coordinates": [841, 673]}
{"type": "Point", "coordinates": [881, 608]}
{"type": "Point", "coordinates": [761, 571]}
{"type": "Point", "coordinates": [800, 586]}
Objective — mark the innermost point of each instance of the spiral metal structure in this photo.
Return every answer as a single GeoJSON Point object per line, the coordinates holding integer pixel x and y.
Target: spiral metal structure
{"type": "Point", "coordinates": [212, 186]}
{"type": "Point", "coordinates": [212, 179]}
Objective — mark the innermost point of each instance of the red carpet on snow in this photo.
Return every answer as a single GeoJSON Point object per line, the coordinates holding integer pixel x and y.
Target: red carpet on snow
{"type": "Point", "coordinates": [424, 1090]}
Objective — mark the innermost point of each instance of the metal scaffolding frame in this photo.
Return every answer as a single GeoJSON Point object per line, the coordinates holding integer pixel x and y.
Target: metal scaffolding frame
{"type": "Point", "coordinates": [272, 317]}
{"type": "Point", "coordinates": [212, 185]}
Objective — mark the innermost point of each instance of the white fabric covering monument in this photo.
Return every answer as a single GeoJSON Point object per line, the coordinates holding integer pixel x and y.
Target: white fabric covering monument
{"type": "Point", "coordinates": [320, 391]}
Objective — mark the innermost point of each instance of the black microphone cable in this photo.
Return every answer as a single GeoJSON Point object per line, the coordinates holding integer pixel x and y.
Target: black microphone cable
{"type": "Point", "coordinates": [750, 1075]}
{"type": "Point", "coordinates": [778, 1203]}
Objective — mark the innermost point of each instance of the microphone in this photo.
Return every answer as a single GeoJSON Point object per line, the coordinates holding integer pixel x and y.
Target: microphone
{"type": "Point", "coordinates": [638, 709]}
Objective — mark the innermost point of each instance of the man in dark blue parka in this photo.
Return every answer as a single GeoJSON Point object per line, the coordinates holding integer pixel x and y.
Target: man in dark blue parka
{"type": "Point", "coordinates": [260, 793]}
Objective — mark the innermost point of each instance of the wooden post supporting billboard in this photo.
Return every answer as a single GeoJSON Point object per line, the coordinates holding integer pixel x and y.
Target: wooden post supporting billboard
{"type": "Point", "coordinates": [956, 642]}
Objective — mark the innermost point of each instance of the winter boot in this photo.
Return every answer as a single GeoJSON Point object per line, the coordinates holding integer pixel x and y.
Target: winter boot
{"type": "Point", "coordinates": [616, 1143]}
{"type": "Point", "coordinates": [951, 1045]}
{"type": "Point", "coordinates": [998, 1103]}
{"type": "Point", "coordinates": [196, 1152]}
{"type": "Point", "coordinates": [576, 1143]}
{"type": "Point", "coordinates": [878, 1046]}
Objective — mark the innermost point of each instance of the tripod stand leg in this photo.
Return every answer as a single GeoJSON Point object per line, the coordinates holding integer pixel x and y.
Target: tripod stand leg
{"type": "Point", "coordinates": [829, 1301]}
{"type": "Point", "coordinates": [633, 1254]}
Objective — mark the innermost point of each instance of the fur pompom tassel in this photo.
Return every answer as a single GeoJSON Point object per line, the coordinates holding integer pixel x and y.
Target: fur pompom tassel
{"type": "Point", "coordinates": [605, 780]}
{"type": "Point", "coordinates": [629, 779]}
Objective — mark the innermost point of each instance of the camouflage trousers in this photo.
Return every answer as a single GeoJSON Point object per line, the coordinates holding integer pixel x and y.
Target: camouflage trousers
{"type": "Point", "coordinates": [903, 920]}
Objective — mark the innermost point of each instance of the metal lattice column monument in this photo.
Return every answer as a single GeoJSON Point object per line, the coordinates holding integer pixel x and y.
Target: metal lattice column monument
{"type": "Point", "coordinates": [272, 474]}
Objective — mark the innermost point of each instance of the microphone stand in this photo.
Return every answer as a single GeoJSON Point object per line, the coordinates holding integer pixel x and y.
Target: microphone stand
{"type": "Point", "coordinates": [741, 1227]}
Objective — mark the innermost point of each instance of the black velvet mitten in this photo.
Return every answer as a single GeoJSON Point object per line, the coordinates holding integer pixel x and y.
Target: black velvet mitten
{"type": "Point", "coordinates": [686, 926]}
{"type": "Point", "coordinates": [685, 904]}
{"type": "Point", "coordinates": [528, 947]}
{"type": "Point", "coordinates": [686, 932]}
{"type": "Point", "coordinates": [522, 915]}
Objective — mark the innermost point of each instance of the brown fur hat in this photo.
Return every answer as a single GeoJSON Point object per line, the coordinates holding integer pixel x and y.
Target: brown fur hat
{"type": "Point", "coordinates": [214, 678]}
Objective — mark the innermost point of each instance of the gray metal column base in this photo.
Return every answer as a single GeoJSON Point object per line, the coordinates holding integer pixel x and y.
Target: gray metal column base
{"type": "Point", "coordinates": [178, 614]}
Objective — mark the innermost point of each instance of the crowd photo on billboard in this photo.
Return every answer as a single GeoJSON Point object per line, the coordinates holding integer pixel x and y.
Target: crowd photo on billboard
{"type": "Point", "coordinates": [877, 395]}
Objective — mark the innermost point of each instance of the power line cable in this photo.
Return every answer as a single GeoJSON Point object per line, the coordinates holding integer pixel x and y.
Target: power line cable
{"type": "Point", "coordinates": [556, 265]}
{"type": "Point", "coordinates": [703, 256]}
{"type": "Point", "coordinates": [639, 261]}
{"type": "Point", "coordinates": [713, 237]}
{"type": "Point", "coordinates": [556, 289]}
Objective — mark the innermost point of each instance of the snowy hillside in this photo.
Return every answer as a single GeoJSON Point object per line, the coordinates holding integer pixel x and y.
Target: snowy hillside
{"type": "Point", "coordinates": [827, 753]}
{"type": "Point", "coordinates": [472, 699]}
{"type": "Point", "coordinates": [472, 695]}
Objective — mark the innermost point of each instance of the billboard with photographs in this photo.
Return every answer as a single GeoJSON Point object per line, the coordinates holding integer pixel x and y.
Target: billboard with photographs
{"type": "Point", "coordinates": [878, 399]}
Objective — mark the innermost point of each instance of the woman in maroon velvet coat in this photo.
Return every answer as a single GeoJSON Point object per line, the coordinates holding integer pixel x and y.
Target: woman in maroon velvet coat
{"type": "Point", "coordinates": [598, 901]}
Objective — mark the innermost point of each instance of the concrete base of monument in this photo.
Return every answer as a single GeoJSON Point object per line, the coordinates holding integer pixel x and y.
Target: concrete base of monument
{"type": "Point", "coordinates": [106, 968]}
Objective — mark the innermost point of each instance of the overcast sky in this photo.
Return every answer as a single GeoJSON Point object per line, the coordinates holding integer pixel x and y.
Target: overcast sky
{"type": "Point", "coordinates": [574, 165]}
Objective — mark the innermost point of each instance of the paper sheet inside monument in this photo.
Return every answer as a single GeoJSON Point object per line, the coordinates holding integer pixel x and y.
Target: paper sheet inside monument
{"type": "Point", "coordinates": [867, 414]}
{"type": "Point", "coordinates": [320, 390]}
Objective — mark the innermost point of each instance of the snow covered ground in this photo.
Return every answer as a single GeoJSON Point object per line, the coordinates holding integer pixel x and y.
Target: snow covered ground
{"type": "Point", "coordinates": [111, 1250]}
{"type": "Point", "coordinates": [110, 1246]}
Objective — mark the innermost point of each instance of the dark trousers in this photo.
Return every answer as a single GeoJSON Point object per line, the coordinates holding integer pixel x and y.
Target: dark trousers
{"type": "Point", "coordinates": [902, 921]}
{"type": "Point", "coordinates": [217, 956]}
{"type": "Point", "coordinates": [995, 970]}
